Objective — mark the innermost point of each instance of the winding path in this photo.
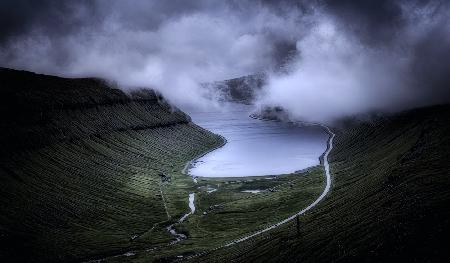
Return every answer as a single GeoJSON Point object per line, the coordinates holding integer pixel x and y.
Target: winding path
{"type": "Point", "coordinates": [312, 205]}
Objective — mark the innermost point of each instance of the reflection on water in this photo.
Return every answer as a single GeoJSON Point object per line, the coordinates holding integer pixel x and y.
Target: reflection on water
{"type": "Point", "coordinates": [256, 147]}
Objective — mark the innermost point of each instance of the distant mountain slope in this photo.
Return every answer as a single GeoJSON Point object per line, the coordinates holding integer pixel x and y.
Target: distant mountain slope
{"type": "Point", "coordinates": [80, 167]}
{"type": "Point", "coordinates": [389, 201]}
{"type": "Point", "coordinates": [243, 89]}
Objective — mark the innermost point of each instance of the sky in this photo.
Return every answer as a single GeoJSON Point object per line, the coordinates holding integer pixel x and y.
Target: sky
{"type": "Point", "coordinates": [324, 59]}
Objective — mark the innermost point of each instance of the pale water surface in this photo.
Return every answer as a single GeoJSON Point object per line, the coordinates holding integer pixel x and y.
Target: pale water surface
{"type": "Point", "coordinates": [256, 147]}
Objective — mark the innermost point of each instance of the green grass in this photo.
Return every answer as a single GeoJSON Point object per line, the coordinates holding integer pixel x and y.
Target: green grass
{"type": "Point", "coordinates": [389, 199]}
{"type": "Point", "coordinates": [228, 213]}
{"type": "Point", "coordinates": [88, 197]}
{"type": "Point", "coordinates": [80, 165]}
{"type": "Point", "coordinates": [80, 175]}
{"type": "Point", "coordinates": [83, 178]}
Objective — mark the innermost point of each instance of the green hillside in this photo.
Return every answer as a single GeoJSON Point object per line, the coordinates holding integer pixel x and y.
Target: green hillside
{"type": "Point", "coordinates": [80, 167]}
{"type": "Point", "coordinates": [389, 200]}
{"type": "Point", "coordinates": [89, 172]}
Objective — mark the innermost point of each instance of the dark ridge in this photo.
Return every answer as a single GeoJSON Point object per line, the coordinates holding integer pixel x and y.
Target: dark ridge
{"type": "Point", "coordinates": [42, 92]}
{"type": "Point", "coordinates": [37, 110]}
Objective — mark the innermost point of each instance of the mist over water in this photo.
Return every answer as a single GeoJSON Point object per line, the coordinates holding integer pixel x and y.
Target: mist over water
{"type": "Point", "coordinates": [340, 72]}
{"type": "Point", "coordinates": [256, 147]}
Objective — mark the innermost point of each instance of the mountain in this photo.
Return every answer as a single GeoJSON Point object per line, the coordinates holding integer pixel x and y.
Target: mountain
{"type": "Point", "coordinates": [242, 90]}
{"type": "Point", "coordinates": [80, 167]}
{"type": "Point", "coordinates": [89, 172]}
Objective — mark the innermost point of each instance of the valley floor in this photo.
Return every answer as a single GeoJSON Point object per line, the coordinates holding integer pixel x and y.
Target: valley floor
{"type": "Point", "coordinates": [388, 202]}
{"type": "Point", "coordinates": [90, 173]}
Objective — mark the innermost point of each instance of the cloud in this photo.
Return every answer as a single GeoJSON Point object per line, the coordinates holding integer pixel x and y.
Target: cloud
{"type": "Point", "coordinates": [325, 58]}
{"type": "Point", "coordinates": [170, 46]}
{"type": "Point", "coordinates": [335, 75]}
{"type": "Point", "coordinates": [356, 59]}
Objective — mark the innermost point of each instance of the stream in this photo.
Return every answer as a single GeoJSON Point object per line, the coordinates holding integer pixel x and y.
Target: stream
{"type": "Point", "coordinates": [171, 228]}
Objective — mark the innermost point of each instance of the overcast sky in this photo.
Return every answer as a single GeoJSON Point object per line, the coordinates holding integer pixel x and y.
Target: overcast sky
{"type": "Point", "coordinates": [325, 59]}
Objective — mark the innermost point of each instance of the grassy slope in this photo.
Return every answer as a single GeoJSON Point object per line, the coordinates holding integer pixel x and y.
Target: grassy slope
{"type": "Point", "coordinates": [79, 167]}
{"type": "Point", "coordinates": [389, 200]}
{"type": "Point", "coordinates": [228, 213]}
{"type": "Point", "coordinates": [79, 174]}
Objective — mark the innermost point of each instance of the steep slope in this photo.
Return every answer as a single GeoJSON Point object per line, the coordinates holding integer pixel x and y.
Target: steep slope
{"type": "Point", "coordinates": [37, 110]}
{"type": "Point", "coordinates": [80, 167]}
{"type": "Point", "coordinates": [389, 199]}
{"type": "Point", "coordinates": [242, 90]}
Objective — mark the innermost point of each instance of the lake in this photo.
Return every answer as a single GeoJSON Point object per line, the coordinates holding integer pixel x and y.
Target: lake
{"type": "Point", "coordinates": [256, 147]}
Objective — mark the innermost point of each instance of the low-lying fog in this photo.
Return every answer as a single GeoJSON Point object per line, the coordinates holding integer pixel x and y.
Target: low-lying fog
{"type": "Point", "coordinates": [325, 59]}
{"type": "Point", "coordinates": [256, 147]}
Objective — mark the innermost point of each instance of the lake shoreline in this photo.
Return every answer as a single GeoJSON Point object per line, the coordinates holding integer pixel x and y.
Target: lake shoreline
{"type": "Point", "coordinates": [256, 146]}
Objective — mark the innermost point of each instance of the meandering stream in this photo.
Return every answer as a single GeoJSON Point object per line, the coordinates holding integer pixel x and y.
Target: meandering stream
{"type": "Point", "coordinates": [171, 228]}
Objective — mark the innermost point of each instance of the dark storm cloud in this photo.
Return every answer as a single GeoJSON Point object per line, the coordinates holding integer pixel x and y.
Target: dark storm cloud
{"type": "Point", "coordinates": [20, 17]}
{"type": "Point", "coordinates": [430, 63]}
{"type": "Point", "coordinates": [374, 21]}
{"type": "Point", "coordinates": [149, 15]}
{"type": "Point", "coordinates": [57, 21]}
{"type": "Point", "coordinates": [337, 56]}
{"type": "Point", "coordinates": [419, 27]}
{"type": "Point", "coordinates": [367, 55]}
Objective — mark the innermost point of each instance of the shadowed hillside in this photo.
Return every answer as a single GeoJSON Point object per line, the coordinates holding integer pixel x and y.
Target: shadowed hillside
{"type": "Point", "coordinates": [37, 110]}
{"type": "Point", "coordinates": [388, 203]}
{"type": "Point", "coordinates": [89, 172]}
{"type": "Point", "coordinates": [242, 90]}
{"type": "Point", "coordinates": [80, 167]}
